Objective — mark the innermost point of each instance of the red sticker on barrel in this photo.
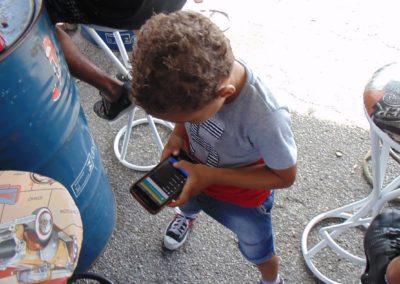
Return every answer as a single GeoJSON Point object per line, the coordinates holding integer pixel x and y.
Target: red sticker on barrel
{"type": "Point", "coordinates": [3, 42]}
{"type": "Point", "coordinates": [51, 55]}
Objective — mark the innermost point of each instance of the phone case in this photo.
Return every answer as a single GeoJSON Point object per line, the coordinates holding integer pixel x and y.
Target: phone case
{"type": "Point", "coordinates": [162, 184]}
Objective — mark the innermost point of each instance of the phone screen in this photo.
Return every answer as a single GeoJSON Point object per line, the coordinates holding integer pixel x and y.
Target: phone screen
{"type": "Point", "coordinates": [161, 184]}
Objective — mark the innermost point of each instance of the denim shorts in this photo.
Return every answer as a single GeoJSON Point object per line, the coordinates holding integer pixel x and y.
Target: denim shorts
{"type": "Point", "coordinates": [252, 226]}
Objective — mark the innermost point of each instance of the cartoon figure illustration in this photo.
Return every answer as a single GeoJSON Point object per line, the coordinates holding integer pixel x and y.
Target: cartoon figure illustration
{"type": "Point", "coordinates": [33, 249]}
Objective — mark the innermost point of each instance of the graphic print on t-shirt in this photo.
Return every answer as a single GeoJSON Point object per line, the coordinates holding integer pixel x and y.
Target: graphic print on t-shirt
{"type": "Point", "coordinates": [204, 137]}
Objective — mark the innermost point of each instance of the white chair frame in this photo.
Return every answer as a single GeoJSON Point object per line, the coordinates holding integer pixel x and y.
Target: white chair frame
{"type": "Point", "coordinates": [358, 213]}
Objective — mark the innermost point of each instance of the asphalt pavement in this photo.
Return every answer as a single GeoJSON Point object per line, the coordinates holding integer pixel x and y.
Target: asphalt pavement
{"type": "Point", "coordinates": [318, 56]}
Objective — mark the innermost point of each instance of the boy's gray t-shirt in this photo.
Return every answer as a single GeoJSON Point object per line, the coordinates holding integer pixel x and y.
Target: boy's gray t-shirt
{"type": "Point", "coordinates": [254, 125]}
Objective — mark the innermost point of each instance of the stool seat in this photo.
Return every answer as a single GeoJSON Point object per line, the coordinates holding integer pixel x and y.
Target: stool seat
{"type": "Point", "coordinates": [382, 100]}
{"type": "Point", "coordinates": [382, 109]}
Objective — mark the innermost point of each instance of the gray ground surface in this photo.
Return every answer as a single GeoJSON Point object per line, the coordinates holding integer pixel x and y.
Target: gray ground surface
{"type": "Point", "coordinates": [318, 56]}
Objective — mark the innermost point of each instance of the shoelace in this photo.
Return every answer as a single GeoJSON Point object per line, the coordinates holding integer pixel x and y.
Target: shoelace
{"type": "Point", "coordinates": [394, 235]}
{"type": "Point", "coordinates": [105, 106]}
{"type": "Point", "coordinates": [179, 226]}
{"type": "Point", "coordinates": [391, 234]}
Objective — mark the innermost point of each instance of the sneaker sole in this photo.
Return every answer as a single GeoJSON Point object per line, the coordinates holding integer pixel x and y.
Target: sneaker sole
{"type": "Point", "coordinates": [170, 246]}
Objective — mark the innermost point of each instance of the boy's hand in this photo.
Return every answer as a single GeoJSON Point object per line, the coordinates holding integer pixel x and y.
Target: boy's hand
{"type": "Point", "coordinates": [197, 181]}
{"type": "Point", "coordinates": [174, 144]}
{"type": "Point", "coordinates": [175, 141]}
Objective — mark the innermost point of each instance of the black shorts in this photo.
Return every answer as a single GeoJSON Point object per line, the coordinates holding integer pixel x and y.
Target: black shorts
{"type": "Point", "coordinates": [117, 14]}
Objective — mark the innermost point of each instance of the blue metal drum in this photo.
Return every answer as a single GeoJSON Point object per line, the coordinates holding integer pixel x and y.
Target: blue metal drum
{"type": "Point", "coordinates": [42, 125]}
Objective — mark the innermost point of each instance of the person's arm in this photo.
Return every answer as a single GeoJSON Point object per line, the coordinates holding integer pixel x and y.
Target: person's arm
{"type": "Point", "coordinates": [257, 176]}
{"type": "Point", "coordinates": [82, 68]}
{"type": "Point", "coordinates": [175, 142]}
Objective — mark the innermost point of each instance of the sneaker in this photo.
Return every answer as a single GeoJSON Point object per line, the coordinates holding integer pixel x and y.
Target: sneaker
{"type": "Point", "coordinates": [177, 232]}
{"type": "Point", "coordinates": [112, 111]}
{"type": "Point", "coordinates": [381, 245]}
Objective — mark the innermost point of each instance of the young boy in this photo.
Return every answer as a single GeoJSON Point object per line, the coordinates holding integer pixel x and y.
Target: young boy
{"type": "Point", "coordinates": [184, 71]}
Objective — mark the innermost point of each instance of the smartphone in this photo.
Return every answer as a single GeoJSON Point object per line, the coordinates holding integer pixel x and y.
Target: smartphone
{"type": "Point", "coordinates": [162, 184]}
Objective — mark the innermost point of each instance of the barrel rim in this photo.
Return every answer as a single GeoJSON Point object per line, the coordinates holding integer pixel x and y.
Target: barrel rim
{"type": "Point", "coordinates": [38, 12]}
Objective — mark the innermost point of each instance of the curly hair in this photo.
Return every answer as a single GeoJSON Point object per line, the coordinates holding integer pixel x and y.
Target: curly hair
{"type": "Point", "coordinates": [179, 61]}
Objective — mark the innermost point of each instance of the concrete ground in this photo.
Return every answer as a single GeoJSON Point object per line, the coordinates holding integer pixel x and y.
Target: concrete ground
{"type": "Point", "coordinates": [318, 56]}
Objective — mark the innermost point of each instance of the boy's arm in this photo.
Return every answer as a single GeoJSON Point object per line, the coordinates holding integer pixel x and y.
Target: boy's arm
{"type": "Point", "coordinates": [257, 176]}
{"type": "Point", "coordinates": [175, 142]}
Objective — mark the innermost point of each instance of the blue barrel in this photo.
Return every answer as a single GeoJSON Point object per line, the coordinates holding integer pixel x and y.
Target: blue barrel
{"type": "Point", "coordinates": [42, 125]}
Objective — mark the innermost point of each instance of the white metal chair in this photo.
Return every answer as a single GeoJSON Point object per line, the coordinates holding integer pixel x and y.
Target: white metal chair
{"type": "Point", "coordinates": [381, 99]}
{"type": "Point", "coordinates": [125, 132]}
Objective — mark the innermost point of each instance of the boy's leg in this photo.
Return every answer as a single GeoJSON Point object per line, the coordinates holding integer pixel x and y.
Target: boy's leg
{"type": "Point", "coordinates": [269, 269]}
{"type": "Point", "coordinates": [253, 228]}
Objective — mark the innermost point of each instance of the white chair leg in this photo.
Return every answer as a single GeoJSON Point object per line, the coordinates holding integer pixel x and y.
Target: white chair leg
{"type": "Point", "coordinates": [121, 68]}
{"type": "Point", "coordinates": [122, 51]}
{"type": "Point", "coordinates": [125, 133]}
{"type": "Point", "coordinates": [330, 233]}
{"type": "Point", "coordinates": [356, 214]}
